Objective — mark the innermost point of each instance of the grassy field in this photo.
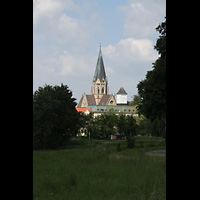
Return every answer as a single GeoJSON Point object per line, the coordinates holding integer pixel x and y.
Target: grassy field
{"type": "Point", "coordinates": [96, 171]}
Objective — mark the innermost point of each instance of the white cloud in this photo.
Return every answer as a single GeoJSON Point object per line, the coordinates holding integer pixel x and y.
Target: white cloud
{"type": "Point", "coordinates": [72, 66]}
{"type": "Point", "coordinates": [142, 17]}
{"type": "Point", "coordinates": [127, 62]}
{"type": "Point", "coordinates": [45, 9]}
{"type": "Point", "coordinates": [71, 31]}
{"type": "Point", "coordinates": [131, 50]}
{"type": "Point", "coordinates": [52, 23]}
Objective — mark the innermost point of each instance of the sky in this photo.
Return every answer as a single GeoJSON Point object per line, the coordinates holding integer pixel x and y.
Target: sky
{"type": "Point", "coordinates": [67, 35]}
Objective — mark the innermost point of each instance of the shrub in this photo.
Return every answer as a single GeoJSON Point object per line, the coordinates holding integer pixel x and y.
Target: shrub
{"type": "Point", "coordinates": [131, 142]}
{"type": "Point", "coordinates": [118, 147]}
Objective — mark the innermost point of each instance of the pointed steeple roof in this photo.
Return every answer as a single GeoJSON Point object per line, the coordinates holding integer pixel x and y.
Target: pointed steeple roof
{"type": "Point", "coordinates": [121, 91]}
{"type": "Point", "coordinates": [100, 70]}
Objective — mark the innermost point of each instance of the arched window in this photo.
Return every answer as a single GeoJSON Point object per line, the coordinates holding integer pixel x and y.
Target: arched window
{"type": "Point", "coordinates": [103, 90]}
{"type": "Point", "coordinates": [98, 90]}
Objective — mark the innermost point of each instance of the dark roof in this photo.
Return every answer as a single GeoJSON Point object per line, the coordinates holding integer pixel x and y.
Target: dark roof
{"type": "Point", "coordinates": [104, 99]}
{"type": "Point", "coordinates": [121, 91]}
{"type": "Point", "coordinates": [116, 134]}
{"type": "Point", "coordinates": [100, 71]}
{"type": "Point", "coordinates": [91, 100]}
{"type": "Point", "coordinates": [80, 102]}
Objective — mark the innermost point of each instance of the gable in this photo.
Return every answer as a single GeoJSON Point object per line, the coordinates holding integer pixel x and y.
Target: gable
{"type": "Point", "coordinates": [84, 102]}
{"type": "Point", "coordinates": [80, 102]}
{"type": "Point", "coordinates": [107, 100]}
{"type": "Point", "coordinates": [111, 101]}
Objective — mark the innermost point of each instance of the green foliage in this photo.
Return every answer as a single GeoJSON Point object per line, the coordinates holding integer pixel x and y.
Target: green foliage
{"type": "Point", "coordinates": [143, 125]}
{"type": "Point", "coordinates": [126, 125]}
{"type": "Point", "coordinates": [153, 88]}
{"type": "Point", "coordinates": [55, 118]}
{"type": "Point", "coordinates": [136, 100]}
{"type": "Point", "coordinates": [85, 121]}
{"type": "Point", "coordinates": [147, 127]}
{"type": "Point", "coordinates": [131, 142]}
{"type": "Point", "coordinates": [118, 147]}
{"type": "Point", "coordinates": [122, 124]}
{"type": "Point", "coordinates": [157, 127]}
{"type": "Point", "coordinates": [103, 126]}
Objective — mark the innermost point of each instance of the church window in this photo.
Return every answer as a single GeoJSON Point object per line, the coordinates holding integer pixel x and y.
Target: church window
{"type": "Point", "coordinates": [98, 90]}
{"type": "Point", "coordinates": [103, 90]}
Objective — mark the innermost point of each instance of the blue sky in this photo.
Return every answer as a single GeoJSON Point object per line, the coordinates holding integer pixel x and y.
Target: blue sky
{"type": "Point", "coordinates": [67, 34]}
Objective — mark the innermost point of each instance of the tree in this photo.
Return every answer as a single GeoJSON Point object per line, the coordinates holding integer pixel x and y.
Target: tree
{"type": "Point", "coordinates": [126, 125]}
{"type": "Point", "coordinates": [131, 123]}
{"type": "Point", "coordinates": [136, 100]}
{"type": "Point", "coordinates": [95, 128]}
{"type": "Point", "coordinates": [144, 125]}
{"type": "Point", "coordinates": [85, 121]}
{"type": "Point", "coordinates": [122, 124]}
{"type": "Point", "coordinates": [107, 124]}
{"type": "Point", "coordinates": [103, 126]}
{"type": "Point", "coordinates": [54, 117]}
{"type": "Point", "coordinates": [153, 88]}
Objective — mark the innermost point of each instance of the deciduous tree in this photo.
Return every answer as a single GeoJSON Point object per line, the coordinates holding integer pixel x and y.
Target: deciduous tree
{"type": "Point", "coordinates": [54, 117]}
{"type": "Point", "coordinates": [153, 88]}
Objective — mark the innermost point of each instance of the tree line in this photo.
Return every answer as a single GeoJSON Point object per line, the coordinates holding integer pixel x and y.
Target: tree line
{"type": "Point", "coordinates": [56, 120]}
{"type": "Point", "coordinates": [107, 124]}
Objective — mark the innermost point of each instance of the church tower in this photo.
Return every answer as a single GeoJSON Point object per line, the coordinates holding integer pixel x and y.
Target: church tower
{"type": "Point", "coordinates": [100, 82]}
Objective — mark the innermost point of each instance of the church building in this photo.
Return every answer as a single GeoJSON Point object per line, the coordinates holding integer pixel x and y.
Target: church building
{"type": "Point", "coordinates": [100, 101]}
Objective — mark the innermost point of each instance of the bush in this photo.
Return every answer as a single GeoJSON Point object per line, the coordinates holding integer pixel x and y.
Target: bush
{"type": "Point", "coordinates": [118, 147]}
{"type": "Point", "coordinates": [131, 142]}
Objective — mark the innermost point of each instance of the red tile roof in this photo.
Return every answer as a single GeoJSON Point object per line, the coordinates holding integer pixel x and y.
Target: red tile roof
{"type": "Point", "coordinates": [83, 110]}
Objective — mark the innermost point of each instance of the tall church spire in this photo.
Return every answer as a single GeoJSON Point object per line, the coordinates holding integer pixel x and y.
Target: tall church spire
{"type": "Point", "coordinates": [100, 70]}
{"type": "Point", "coordinates": [99, 87]}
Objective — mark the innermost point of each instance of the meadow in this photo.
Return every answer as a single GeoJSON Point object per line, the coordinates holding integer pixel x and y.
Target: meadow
{"type": "Point", "coordinates": [95, 170]}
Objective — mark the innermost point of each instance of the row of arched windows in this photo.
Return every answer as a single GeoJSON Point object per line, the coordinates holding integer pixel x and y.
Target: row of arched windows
{"type": "Point", "coordinates": [102, 90]}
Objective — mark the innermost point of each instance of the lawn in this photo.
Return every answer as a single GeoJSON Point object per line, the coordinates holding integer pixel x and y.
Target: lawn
{"type": "Point", "coordinates": [97, 171]}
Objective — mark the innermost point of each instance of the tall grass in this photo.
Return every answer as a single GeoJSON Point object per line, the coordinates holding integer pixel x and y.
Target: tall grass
{"type": "Point", "coordinates": [98, 173]}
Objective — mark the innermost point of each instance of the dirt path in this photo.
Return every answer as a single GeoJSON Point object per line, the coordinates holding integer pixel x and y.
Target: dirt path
{"type": "Point", "coordinates": [157, 153]}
